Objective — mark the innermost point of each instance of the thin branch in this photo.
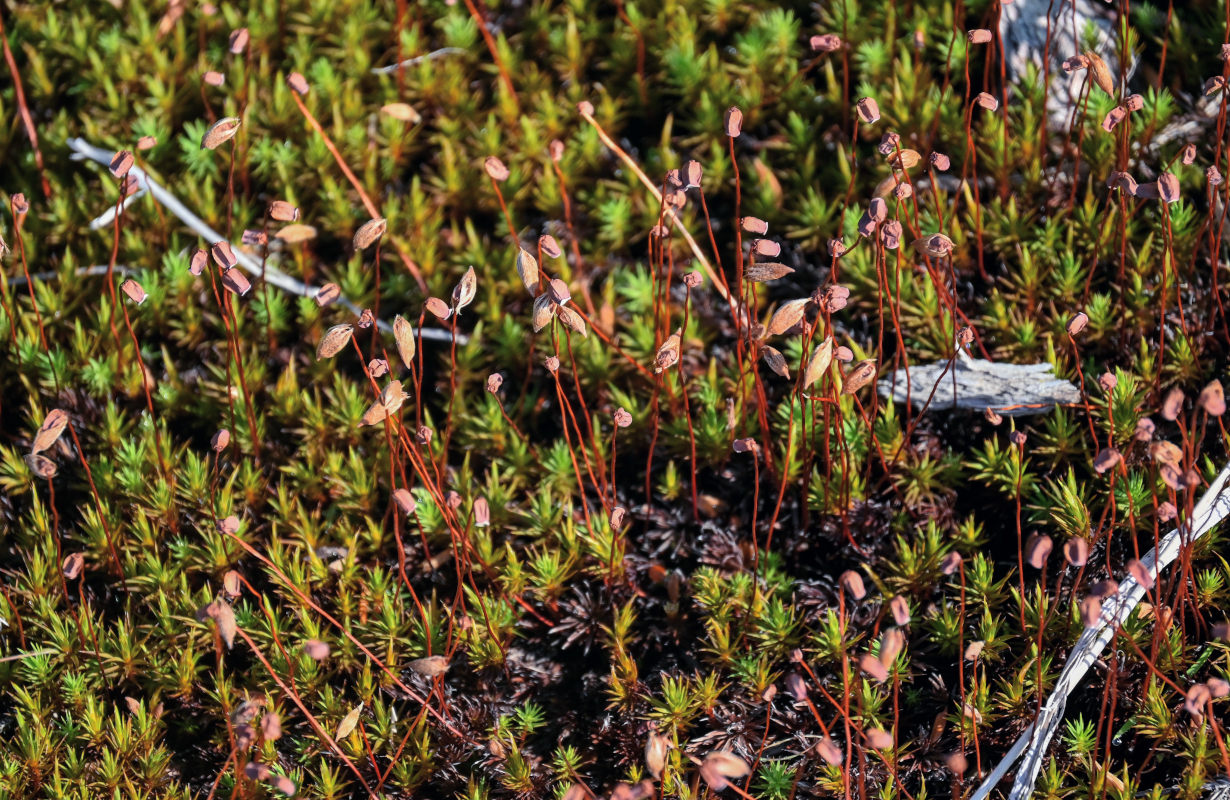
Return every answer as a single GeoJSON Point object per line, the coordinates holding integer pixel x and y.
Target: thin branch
{"type": "Point", "coordinates": [410, 62]}
{"type": "Point", "coordinates": [83, 150]}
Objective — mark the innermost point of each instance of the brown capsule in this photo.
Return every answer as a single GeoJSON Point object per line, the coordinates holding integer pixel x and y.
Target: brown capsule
{"type": "Point", "coordinates": [762, 272]}
{"type": "Point", "coordinates": [878, 738]}
{"type": "Point", "coordinates": [1213, 399]}
{"type": "Point", "coordinates": [334, 340]}
{"type": "Point", "coordinates": [692, 173]}
{"type": "Point", "coordinates": [843, 354]}
{"type": "Point", "coordinates": [236, 281]}
{"type": "Point", "coordinates": [1106, 588]}
{"type": "Point", "coordinates": [889, 143]}
{"type": "Point", "coordinates": [734, 122]}
{"type": "Point", "coordinates": [378, 367]}
{"type": "Point", "coordinates": [617, 517]}
{"type": "Point", "coordinates": [776, 361]}
{"type": "Point", "coordinates": [254, 238]}
{"type": "Point", "coordinates": [430, 666]}
{"type": "Point", "coordinates": [825, 43]}
{"type": "Point", "coordinates": [873, 667]}
{"type": "Point", "coordinates": [463, 292]}
{"type": "Point", "coordinates": [891, 643]}
{"type": "Point", "coordinates": [1075, 64]}
{"type": "Point", "coordinates": [571, 320]}
{"type": "Point", "coordinates": [940, 161]}
{"type": "Point", "coordinates": [992, 416]}
{"type": "Point", "coordinates": [297, 83]}
{"type": "Point", "coordinates": [213, 78]}
{"type": "Point", "coordinates": [986, 100]}
{"type": "Point", "coordinates": [223, 255]}
{"type": "Point", "coordinates": [693, 279]}
{"type": "Point", "coordinates": [271, 727]}
{"type": "Point", "coordinates": [1134, 102]}
{"type": "Point", "coordinates": [1197, 699]}
{"type": "Point", "coordinates": [979, 36]}
{"type": "Point", "coordinates": [1077, 323]}
{"type": "Point", "coordinates": [1214, 85]}
{"type": "Point", "coordinates": [494, 381]}
{"type": "Point", "coordinates": [1218, 687]}
{"type": "Point", "coordinates": [232, 583]}
{"type": "Point", "coordinates": [837, 248]}
{"type": "Point", "coordinates": [720, 767]}
{"type": "Point", "coordinates": [1144, 429]}
{"type": "Point", "coordinates": [767, 248]}
{"type": "Point", "coordinates": [220, 441]}
{"type": "Point", "coordinates": [1107, 459]}
{"type": "Point", "coordinates": [585, 108]}
{"type": "Point", "coordinates": [1100, 74]}
{"type": "Point", "coordinates": [900, 608]}
{"type": "Point", "coordinates": [1172, 405]}
{"type": "Point", "coordinates": [146, 143]}
{"type": "Point", "coordinates": [41, 466]}
{"type": "Point", "coordinates": [402, 112]}
{"type": "Point", "coordinates": [1168, 187]}
{"type": "Point", "coordinates": [327, 294]}
{"type": "Point", "coordinates": [754, 225]}
{"type": "Point", "coordinates": [296, 234]}
{"type": "Point", "coordinates": [390, 400]}
{"type": "Point", "coordinates": [552, 364]}
{"type": "Point", "coordinates": [1188, 154]}
{"type": "Point", "coordinates": [239, 40]}
{"type": "Point", "coordinates": [133, 291]}
{"type": "Point", "coordinates": [1140, 573]}
{"type": "Point", "coordinates": [369, 233]}
{"type": "Point", "coordinates": [622, 418]}
{"type": "Point", "coordinates": [937, 245]}
{"type": "Point", "coordinates": [1017, 438]}
{"type": "Point", "coordinates": [859, 376]}
{"type": "Point", "coordinates": [1037, 550]}
{"type": "Point", "coordinates": [558, 291]}
{"type": "Point", "coordinates": [1166, 511]}
{"type": "Point", "coordinates": [550, 247]}
{"type": "Point", "coordinates": [543, 312]}
{"type": "Point", "coordinates": [1107, 381]}
{"type": "Point", "coordinates": [891, 233]}
{"type": "Point", "coordinates": [1113, 118]}
{"type": "Point", "coordinates": [951, 562]}
{"type": "Point", "coordinates": [72, 566]}
{"type": "Point", "coordinates": [829, 751]}
{"type": "Point", "coordinates": [220, 133]}
{"type": "Point", "coordinates": [556, 150]}
{"type": "Point", "coordinates": [1076, 551]}
{"type": "Point", "coordinates": [905, 159]}
{"type": "Point", "coordinates": [496, 169]}
{"type": "Point", "coordinates": [316, 649]}
{"type": "Point", "coordinates": [121, 163]}
{"type": "Point", "coordinates": [405, 501]}
{"type": "Point", "coordinates": [283, 211]}
{"type": "Point", "coordinates": [668, 354]}
{"type": "Point", "coordinates": [868, 110]}
{"type": "Point", "coordinates": [1213, 176]}
{"type": "Point", "coordinates": [1091, 611]}
{"type": "Point", "coordinates": [957, 763]}
{"type": "Point", "coordinates": [852, 582]}
{"type": "Point", "coordinates": [438, 308]}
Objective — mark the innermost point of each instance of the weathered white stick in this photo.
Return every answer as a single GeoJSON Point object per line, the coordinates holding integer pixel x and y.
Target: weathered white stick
{"type": "Point", "coordinates": [1213, 507]}
{"type": "Point", "coordinates": [84, 150]}
{"type": "Point", "coordinates": [410, 62]}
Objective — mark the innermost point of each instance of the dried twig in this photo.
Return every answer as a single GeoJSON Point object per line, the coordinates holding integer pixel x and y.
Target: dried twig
{"type": "Point", "coordinates": [410, 62]}
{"type": "Point", "coordinates": [670, 212]}
{"type": "Point", "coordinates": [84, 150]}
{"type": "Point", "coordinates": [1213, 507]}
